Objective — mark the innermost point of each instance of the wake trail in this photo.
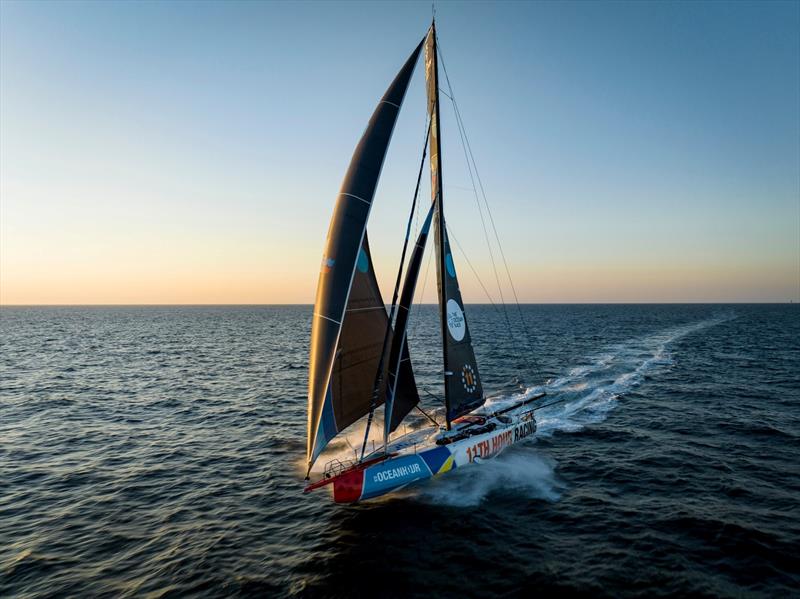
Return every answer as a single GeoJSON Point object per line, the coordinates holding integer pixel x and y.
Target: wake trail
{"type": "Point", "coordinates": [585, 395]}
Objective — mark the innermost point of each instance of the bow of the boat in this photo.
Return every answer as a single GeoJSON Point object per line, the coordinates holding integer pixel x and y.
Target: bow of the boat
{"type": "Point", "coordinates": [385, 474]}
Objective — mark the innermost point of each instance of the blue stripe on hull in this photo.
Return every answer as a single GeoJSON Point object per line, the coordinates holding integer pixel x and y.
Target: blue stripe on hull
{"type": "Point", "coordinates": [398, 472]}
{"type": "Point", "coordinates": [393, 474]}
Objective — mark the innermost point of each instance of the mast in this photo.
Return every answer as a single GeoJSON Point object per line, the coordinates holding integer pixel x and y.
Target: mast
{"type": "Point", "coordinates": [432, 76]}
{"type": "Point", "coordinates": [463, 390]}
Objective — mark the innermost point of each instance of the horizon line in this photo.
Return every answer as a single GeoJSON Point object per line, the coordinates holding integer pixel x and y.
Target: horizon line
{"type": "Point", "coordinates": [565, 303]}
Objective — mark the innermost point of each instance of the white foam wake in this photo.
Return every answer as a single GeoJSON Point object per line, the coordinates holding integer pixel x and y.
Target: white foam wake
{"type": "Point", "coordinates": [518, 469]}
{"type": "Point", "coordinates": [585, 395]}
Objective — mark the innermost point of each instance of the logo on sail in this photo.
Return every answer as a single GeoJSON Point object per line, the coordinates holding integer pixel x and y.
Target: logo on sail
{"type": "Point", "coordinates": [363, 261]}
{"type": "Point", "coordinates": [468, 378]}
{"type": "Point", "coordinates": [455, 320]}
{"type": "Point", "coordinates": [448, 262]}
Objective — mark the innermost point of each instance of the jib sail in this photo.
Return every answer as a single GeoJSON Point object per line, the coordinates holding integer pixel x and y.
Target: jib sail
{"type": "Point", "coordinates": [349, 320]}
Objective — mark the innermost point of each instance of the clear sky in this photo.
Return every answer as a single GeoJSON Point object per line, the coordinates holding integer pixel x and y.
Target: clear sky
{"type": "Point", "coordinates": [191, 153]}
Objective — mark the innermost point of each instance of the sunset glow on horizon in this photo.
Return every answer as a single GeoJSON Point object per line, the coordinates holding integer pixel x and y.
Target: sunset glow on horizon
{"type": "Point", "coordinates": [183, 153]}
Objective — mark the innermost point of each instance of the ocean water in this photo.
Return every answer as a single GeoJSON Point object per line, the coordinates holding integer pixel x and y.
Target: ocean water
{"type": "Point", "coordinates": [158, 451]}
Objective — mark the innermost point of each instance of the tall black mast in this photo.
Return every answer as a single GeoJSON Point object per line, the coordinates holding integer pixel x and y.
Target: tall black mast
{"type": "Point", "coordinates": [432, 76]}
{"type": "Point", "coordinates": [463, 390]}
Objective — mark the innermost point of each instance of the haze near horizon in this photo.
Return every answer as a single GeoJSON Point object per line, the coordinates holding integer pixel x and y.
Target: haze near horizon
{"type": "Point", "coordinates": [190, 153]}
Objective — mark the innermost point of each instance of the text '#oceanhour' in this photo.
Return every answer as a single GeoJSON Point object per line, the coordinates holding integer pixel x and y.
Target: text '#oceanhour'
{"type": "Point", "coordinates": [398, 472]}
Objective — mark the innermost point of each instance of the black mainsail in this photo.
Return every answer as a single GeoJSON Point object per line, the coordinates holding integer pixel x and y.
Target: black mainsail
{"type": "Point", "coordinates": [463, 389]}
{"type": "Point", "coordinates": [350, 321]}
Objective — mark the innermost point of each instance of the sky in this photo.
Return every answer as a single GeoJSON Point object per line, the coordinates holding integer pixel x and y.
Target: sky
{"type": "Point", "coordinates": [182, 152]}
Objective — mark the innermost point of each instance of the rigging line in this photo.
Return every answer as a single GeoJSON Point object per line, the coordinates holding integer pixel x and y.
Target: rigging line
{"type": "Point", "coordinates": [462, 134]}
{"type": "Point", "coordinates": [434, 396]}
{"type": "Point", "coordinates": [417, 305]}
{"type": "Point", "coordinates": [552, 403]}
{"type": "Point", "coordinates": [531, 360]}
{"type": "Point", "coordinates": [491, 255]}
{"type": "Point", "coordinates": [413, 207]}
{"type": "Point", "coordinates": [428, 416]}
{"type": "Point", "coordinates": [472, 268]}
{"type": "Point", "coordinates": [416, 215]}
{"type": "Point", "coordinates": [460, 120]}
{"type": "Point", "coordinates": [387, 334]}
{"type": "Point", "coordinates": [418, 302]}
{"type": "Point", "coordinates": [485, 200]}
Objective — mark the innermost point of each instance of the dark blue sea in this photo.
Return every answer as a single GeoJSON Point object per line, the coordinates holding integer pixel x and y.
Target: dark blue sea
{"type": "Point", "coordinates": [157, 451]}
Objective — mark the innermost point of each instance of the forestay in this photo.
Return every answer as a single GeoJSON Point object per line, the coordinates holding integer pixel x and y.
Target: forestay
{"type": "Point", "coordinates": [399, 399]}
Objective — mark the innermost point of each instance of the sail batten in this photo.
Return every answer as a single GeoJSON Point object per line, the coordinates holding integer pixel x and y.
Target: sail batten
{"type": "Point", "coordinates": [346, 321]}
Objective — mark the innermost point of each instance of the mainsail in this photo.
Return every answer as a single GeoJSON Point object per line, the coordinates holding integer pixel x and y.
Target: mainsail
{"type": "Point", "coordinates": [350, 321]}
{"type": "Point", "coordinates": [463, 389]}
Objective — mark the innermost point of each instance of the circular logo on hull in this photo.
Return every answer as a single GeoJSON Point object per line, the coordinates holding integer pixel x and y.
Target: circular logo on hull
{"type": "Point", "coordinates": [455, 320]}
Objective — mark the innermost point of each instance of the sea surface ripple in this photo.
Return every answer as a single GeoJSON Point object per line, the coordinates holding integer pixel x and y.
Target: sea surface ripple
{"type": "Point", "coordinates": [158, 451]}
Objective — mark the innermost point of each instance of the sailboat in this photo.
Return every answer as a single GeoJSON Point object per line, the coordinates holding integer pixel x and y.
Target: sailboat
{"type": "Point", "coordinates": [359, 353]}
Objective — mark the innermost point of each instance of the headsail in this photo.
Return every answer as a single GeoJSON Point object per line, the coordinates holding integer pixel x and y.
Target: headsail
{"type": "Point", "coordinates": [463, 389]}
{"type": "Point", "coordinates": [400, 399]}
{"type": "Point", "coordinates": [347, 265]}
{"type": "Point", "coordinates": [360, 344]}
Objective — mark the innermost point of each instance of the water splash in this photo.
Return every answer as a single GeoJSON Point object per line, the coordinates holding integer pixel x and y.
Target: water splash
{"type": "Point", "coordinates": [347, 446]}
{"type": "Point", "coordinates": [520, 470]}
